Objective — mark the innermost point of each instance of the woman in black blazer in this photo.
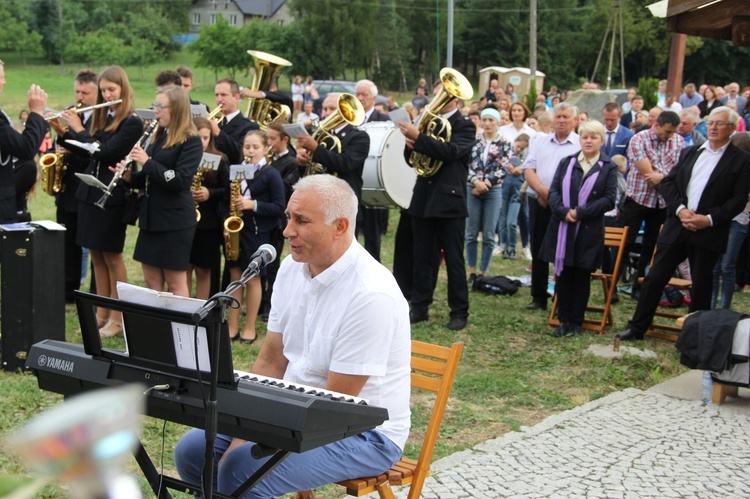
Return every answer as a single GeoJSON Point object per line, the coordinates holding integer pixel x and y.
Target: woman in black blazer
{"type": "Point", "coordinates": [167, 214]}
{"type": "Point", "coordinates": [583, 190]}
{"type": "Point", "coordinates": [205, 255]}
{"type": "Point", "coordinates": [115, 129]}
{"type": "Point", "coordinates": [262, 201]}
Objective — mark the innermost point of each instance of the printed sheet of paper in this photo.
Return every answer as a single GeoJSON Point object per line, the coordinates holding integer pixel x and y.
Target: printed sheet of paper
{"type": "Point", "coordinates": [400, 115]}
{"type": "Point", "coordinates": [295, 130]}
{"type": "Point", "coordinates": [184, 346]}
{"type": "Point", "coordinates": [92, 181]}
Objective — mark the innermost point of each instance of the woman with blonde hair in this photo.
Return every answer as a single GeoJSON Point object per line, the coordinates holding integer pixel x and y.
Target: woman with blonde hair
{"type": "Point", "coordinates": [298, 94]}
{"type": "Point", "coordinates": [115, 129]}
{"type": "Point", "coordinates": [165, 175]}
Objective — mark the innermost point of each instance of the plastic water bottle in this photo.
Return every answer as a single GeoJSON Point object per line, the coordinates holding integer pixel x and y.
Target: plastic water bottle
{"type": "Point", "coordinates": [708, 388]}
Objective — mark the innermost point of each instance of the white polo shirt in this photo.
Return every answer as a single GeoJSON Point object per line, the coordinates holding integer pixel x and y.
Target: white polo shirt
{"type": "Point", "coordinates": [351, 319]}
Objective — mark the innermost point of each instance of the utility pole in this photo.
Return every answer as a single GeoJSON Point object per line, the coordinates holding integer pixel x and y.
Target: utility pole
{"type": "Point", "coordinates": [532, 43]}
{"type": "Point", "coordinates": [449, 48]}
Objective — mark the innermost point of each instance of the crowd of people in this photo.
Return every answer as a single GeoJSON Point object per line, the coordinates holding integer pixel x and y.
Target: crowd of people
{"type": "Point", "coordinates": [337, 318]}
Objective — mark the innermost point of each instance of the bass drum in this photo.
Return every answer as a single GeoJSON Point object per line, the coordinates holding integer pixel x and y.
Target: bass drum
{"type": "Point", "coordinates": [387, 179]}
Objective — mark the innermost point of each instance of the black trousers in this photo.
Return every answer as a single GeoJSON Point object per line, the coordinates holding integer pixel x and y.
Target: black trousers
{"type": "Point", "coordinates": [373, 226]}
{"type": "Point", "coordinates": [403, 255]}
{"type": "Point", "coordinates": [632, 216]}
{"type": "Point", "coordinates": [73, 253]}
{"type": "Point", "coordinates": [573, 287]}
{"type": "Point", "coordinates": [668, 257]}
{"type": "Point", "coordinates": [430, 236]}
{"type": "Point", "coordinates": [539, 218]}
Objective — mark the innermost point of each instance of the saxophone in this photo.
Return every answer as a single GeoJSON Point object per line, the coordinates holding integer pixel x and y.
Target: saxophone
{"type": "Point", "coordinates": [233, 224]}
{"type": "Point", "coordinates": [197, 182]}
{"type": "Point", "coordinates": [53, 171]}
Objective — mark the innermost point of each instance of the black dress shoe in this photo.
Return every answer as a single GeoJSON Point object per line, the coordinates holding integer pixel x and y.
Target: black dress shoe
{"type": "Point", "coordinates": [536, 305]}
{"type": "Point", "coordinates": [628, 335]}
{"type": "Point", "coordinates": [457, 323]}
{"type": "Point", "coordinates": [248, 341]}
{"type": "Point", "coordinates": [415, 318]}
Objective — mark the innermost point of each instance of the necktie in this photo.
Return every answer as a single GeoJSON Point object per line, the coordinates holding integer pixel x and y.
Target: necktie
{"type": "Point", "coordinates": [609, 142]}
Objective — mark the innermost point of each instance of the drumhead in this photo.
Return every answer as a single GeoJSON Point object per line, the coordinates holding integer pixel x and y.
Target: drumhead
{"type": "Point", "coordinates": [388, 180]}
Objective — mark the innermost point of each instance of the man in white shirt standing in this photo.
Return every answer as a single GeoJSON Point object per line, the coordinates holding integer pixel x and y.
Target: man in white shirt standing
{"type": "Point", "coordinates": [339, 321]}
{"type": "Point", "coordinates": [307, 117]}
{"type": "Point", "coordinates": [703, 192]}
{"type": "Point", "coordinates": [539, 169]}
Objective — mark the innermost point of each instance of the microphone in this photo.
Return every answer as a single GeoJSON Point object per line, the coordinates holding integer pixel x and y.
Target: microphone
{"type": "Point", "coordinates": [265, 255]}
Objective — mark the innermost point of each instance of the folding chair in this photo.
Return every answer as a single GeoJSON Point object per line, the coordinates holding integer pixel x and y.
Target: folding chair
{"type": "Point", "coordinates": [433, 369]}
{"type": "Point", "coordinates": [614, 237]}
{"type": "Point", "coordinates": [667, 330]}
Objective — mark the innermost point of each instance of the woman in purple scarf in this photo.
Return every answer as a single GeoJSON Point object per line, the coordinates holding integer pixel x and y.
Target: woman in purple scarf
{"type": "Point", "coordinates": [583, 190]}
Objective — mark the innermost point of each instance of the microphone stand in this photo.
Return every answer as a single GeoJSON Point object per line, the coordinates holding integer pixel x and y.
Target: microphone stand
{"type": "Point", "coordinates": [213, 312]}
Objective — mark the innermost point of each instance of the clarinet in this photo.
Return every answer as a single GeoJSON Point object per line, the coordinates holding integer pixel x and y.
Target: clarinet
{"type": "Point", "coordinates": [150, 130]}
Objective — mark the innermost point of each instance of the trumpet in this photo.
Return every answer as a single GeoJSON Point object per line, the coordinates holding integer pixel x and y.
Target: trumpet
{"type": "Point", "coordinates": [84, 109]}
{"type": "Point", "coordinates": [216, 113]}
{"type": "Point", "coordinates": [349, 110]}
{"type": "Point", "coordinates": [150, 130]}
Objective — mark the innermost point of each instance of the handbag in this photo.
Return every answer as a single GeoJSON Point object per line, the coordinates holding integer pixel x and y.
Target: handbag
{"type": "Point", "coordinates": [132, 209]}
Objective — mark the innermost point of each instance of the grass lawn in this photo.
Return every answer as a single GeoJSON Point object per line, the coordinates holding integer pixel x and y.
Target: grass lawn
{"type": "Point", "coordinates": [512, 373]}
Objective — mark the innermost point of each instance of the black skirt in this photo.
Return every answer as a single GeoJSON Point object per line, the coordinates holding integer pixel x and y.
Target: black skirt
{"type": "Point", "coordinates": [206, 250]}
{"type": "Point", "coordinates": [169, 250]}
{"type": "Point", "coordinates": [101, 230]}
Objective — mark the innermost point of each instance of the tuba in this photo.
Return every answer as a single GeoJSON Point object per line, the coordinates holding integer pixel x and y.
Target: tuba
{"type": "Point", "coordinates": [53, 172]}
{"type": "Point", "coordinates": [455, 86]}
{"type": "Point", "coordinates": [349, 110]}
{"type": "Point", "coordinates": [263, 111]}
{"type": "Point", "coordinates": [233, 224]}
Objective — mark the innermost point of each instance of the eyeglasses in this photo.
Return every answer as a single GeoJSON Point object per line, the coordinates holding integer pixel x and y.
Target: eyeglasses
{"type": "Point", "coordinates": [717, 123]}
{"type": "Point", "coordinates": [159, 107]}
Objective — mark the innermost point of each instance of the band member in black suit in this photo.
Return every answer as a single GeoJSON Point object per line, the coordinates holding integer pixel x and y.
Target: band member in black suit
{"type": "Point", "coordinates": [233, 128]}
{"type": "Point", "coordinates": [115, 129]}
{"type": "Point", "coordinates": [706, 189]}
{"type": "Point", "coordinates": [350, 162]}
{"type": "Point", "coordinates": [166, 78]}
{"type": "Point", "coordinates": [374, 220]}
{"type": "Point", "coordinates": [22, 146]}
{"type": "Point", "coordinates": [167, 217]}
{"type": "Point", "coordinates": [205, 256]}
{"type": "Point", "coordinates": [438, 211]}
{"type": "Point", "coordinates": [285, 163]}
{"type": "Point", "coordinates": [66, 201]}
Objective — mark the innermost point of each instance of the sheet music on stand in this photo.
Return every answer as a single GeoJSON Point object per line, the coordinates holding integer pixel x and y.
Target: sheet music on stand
{"type": "Point", "coordinates": [182, 333]}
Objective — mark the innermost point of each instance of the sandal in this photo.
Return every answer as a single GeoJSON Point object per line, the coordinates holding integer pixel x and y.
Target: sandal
{"type": "Point", "coordinates": [111, 329]}
{"type": "Point", "coordinates": [101, 322]}
{"type": "Point", "coordinates": [248, 341]}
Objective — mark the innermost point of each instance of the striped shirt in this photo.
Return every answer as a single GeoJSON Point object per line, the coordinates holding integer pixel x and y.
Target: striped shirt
{"type": "Point", "coordinates": [662, 155]}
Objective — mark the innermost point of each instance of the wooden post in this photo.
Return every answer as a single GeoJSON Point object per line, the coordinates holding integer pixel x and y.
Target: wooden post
{"type": "Point", "coordinates": [676, 63]}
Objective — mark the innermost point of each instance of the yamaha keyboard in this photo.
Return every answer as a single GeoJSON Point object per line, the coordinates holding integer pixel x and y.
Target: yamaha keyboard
{"type": "Point", "coordinates": [275, 413]}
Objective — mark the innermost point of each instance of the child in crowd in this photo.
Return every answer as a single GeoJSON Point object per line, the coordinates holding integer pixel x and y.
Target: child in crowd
{"type": "Point", "coordinates": [509, 204]}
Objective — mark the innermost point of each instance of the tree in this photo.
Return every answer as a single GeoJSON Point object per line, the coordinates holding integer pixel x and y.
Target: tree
{"type": "Point", "coordinates": [17, 36]}
{"type": "Point", "coordinates": [212, 48]}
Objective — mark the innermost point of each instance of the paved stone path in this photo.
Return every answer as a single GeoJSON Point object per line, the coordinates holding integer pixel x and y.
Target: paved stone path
{"type": "Point", "coordinates": [630, 444]}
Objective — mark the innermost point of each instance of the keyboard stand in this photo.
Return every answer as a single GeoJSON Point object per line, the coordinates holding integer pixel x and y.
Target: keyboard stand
{"type": "Point", "coordinates": [161, 483]}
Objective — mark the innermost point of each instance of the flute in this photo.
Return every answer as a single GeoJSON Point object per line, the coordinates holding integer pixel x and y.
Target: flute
{"type": "Point", "coordinates": [84, 109]}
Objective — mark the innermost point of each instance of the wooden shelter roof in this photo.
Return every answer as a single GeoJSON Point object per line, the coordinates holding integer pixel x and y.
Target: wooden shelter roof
{"type": "Point", "coordinates": [722, 19]}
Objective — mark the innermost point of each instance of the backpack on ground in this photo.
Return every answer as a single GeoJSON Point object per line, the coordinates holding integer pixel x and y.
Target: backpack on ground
{"type": "Point", "coordinates": [496, 285]}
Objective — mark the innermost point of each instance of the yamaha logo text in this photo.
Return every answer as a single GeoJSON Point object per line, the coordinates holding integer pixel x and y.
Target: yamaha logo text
{"type": "Point", "coordinates": [57, 364]}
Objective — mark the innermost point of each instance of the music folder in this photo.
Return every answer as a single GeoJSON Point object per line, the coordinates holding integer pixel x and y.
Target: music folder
{"type": "Point", "coordinates": [157, 339]}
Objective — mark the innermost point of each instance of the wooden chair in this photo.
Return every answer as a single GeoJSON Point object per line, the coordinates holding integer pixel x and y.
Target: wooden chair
{"type": "Point", "coordinates": [614, 237]}
{"type": "Point", "coordinates": [670, 329]}
{"type": "Point", "coordinates": [433, 369]}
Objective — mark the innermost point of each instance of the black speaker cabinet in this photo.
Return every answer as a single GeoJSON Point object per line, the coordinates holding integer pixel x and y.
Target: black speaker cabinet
{"type": "Point", "coordinates": [33, 291]}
